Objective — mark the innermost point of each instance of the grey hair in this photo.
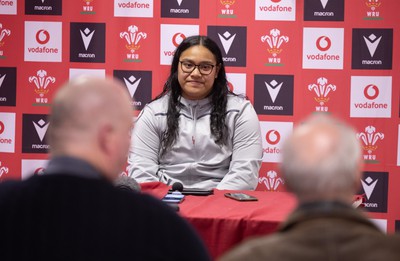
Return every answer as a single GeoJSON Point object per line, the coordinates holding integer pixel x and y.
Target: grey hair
{"type": "Point", "coordinates": [333, 174]}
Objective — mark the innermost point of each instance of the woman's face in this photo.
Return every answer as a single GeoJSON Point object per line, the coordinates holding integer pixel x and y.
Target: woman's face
{"type": "Point", "coordinates": [198, 83]}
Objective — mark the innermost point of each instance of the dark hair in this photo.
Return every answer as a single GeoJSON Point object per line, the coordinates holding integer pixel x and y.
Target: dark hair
{"type": "Point", "coordinates": [218, 94]}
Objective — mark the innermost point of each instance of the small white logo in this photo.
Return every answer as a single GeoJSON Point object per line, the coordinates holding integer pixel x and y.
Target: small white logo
{"type": "Point", "coordinates": [132, 37]}
{"type": "Point", "coordinates": [324, 3]}
{"type": "Point", "coordinates": [3, 170]}
{"type": "Point", "coordinates": [2, 79]}
{"type": "Point", "coordinates": [41, 81]}
{"type": "Point", "coordinates": [132, 84]}
{"type": "Point", "coordinates": [179, 2]}
{"type": "Point", "coordinates": [369, 186]}
{"type": "Point", "coordinates": [87, 37]}
{"type": "Point", "coordinates": [272, 181]}
{"type": "Point", "coordinates": [226, 40]}
{"type": "Point", "coordinates": [372, 43]}
{"type": "Point", "coordinates": [273, 89]}
{"type": "Point", "coordinates": [41, 128]}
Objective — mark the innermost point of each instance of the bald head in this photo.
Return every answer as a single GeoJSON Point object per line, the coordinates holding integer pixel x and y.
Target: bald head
{"type": "Point", "coordinates": [322, 160]}
{"type": "Point", "coordinates": [87, 115]}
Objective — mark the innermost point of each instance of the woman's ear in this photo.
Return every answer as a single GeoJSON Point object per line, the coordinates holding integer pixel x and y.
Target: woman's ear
{"type": "Point", "coordinates": [218, 67]}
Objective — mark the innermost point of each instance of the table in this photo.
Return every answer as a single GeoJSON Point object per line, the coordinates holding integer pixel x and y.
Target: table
{"type": "Point", "coordinates": [222, 222]}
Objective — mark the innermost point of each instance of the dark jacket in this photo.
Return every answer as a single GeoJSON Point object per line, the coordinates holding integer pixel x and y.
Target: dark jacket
{"type": "Point", "coordinates": [69, 217]}
{"type": "Point", "coordinates": [321, 231]}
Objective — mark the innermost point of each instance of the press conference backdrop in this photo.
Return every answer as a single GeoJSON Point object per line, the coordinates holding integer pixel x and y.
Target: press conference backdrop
{"type": "Point", "coordinates": [291, 58]}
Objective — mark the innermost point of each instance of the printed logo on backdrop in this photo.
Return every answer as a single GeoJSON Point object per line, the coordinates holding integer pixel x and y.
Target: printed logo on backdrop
{"type": "Point", "coordinates": [4, 33]}
{"type": "Point", "coordinates": [133, 39]}
{"type": "Point", "coordinates": [276, 10]}
{"type": "Point", "coordinates": [323, 10]}
{"type": "Point", "coordinates": [274, 134]}
{"type": "Point", "coordinates": [88, 7]}
{"type": "Point", "coordinates": [232, 42]}
{"type": "Point", "coordinates": [3, 170]}
{"type": "Point", "coordinates": [100, 73]}
{"type": "Point", "coordinates": [373, 12]}
{"type": "Point", "coordinates": [273, 94]}
{"type": "Point", "coordinates": [138, 8]}
{"type": "Point", "coordinates": [323, 48]}
{"type": "Point", "coordinates": [397, 226]}
{"type": "Point", "coordinates": [372, 49]}
{"type": "Point", "coordinates": [180, 8]}
{"type": "Point", "coordinates": [34, 129]}
{"type": "Point", "coordinates": [171, 36]}
{"type": "Point", "coordinates": [139, 85]}
{"type": "Point", "coordinates": [227, 10]}
{"type": "Point", "coordinates": [237, 82]}
{"type": "Point", "coordinates": [41, 83]}
{"type": "Point", "coordinates": [8, 86]}
{"type": "Point", "coordinates": [32, 167]}
{"type": "Point", "coordinates": [369, 141]}
{"type": "Point", "coordinates": [371, 97]}
{"type": "Point", "coordinates": [271, 181]}
{"type": "Point", "coordinates": [7, 132]}
{"type": "Point", "coordinates": [87, 42]}
{"type": "Point", "coordinates": [43, 41]}
{"type": "Point", "coordinates": [321, 89]}
{"type": "Point", "coordinates": [43, 7]}
{"type": "Point", "coordinates": [274, 42]}
{"type": "Point", "coordinates": [374, 188]}
{"type": "Point", "coordinates": [8, 7]}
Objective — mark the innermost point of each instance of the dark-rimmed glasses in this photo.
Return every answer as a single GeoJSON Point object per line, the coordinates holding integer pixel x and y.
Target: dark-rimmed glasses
{"type": "Point", "coordinates": [204, 68]}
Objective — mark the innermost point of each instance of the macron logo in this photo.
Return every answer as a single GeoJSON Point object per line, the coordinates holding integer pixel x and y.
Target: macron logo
{"type": "Point", "coordinates": [132, 84]}
{"type": "Point", "coordinates": [324, 3]}
{"type": "Point", "coordinates": [226, 40]}
{"type": "Point", "coordinates": [179, 2]}
{"type": "Point", "coordinates": [2, 79]}
{"type": "Point", "coordinates": [273, 89]}
{"type": "Point", "coordinates": [368, 186]}
{"type": "Point", "coordinates": [372, 43]}
{"type": "Point", "coordinates": [41, 128]}
{"type": "Point", "coordinates": [87, 37]}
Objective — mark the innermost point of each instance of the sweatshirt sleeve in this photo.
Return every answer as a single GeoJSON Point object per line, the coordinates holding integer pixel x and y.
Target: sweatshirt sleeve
{"type": "Point", "coordinates": [143, 156]}
{"type": "Point", "coordinates": [247, 152]}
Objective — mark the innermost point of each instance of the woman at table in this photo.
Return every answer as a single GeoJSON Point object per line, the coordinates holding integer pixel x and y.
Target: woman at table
{"type": "Point", "coordinates": [196, 131]}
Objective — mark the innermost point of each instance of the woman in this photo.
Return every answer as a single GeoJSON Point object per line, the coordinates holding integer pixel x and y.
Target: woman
{"type": "Point", "coordinates": [196, 131]}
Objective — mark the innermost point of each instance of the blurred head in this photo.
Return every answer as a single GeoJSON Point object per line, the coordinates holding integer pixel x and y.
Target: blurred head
{"type": "Point", "coordinates": [322, 160]}
{"type": "Point", "coordinates": [91, 119]}
{"type": "Point", "coordinates": [197, 68]}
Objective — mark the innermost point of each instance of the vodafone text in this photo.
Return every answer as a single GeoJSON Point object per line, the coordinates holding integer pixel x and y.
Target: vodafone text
{"type": "Point", "coordinates": [134, 5]}
{"type": "Point", "coordinates": [276, 8]}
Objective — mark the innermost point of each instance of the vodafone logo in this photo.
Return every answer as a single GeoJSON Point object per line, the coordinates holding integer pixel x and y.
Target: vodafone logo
{"type": "Point", "coordinates": [42, 37]}
{"type": "Point", "coordinates": [177, 39]}
{"type": "Point", "coordinates": [323, 43]}
{"type": "Point", "coordinates": [273, 137]}
{"type": "Point", "coordinates": [371, 92]}
{"type": "Point", "coordinates": [39, 171]}
{"type": "Point", "coordinates": [2, 128]}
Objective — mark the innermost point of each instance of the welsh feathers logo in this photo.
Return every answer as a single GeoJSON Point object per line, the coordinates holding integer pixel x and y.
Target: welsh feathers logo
{"type": "Point", "coordinates": [3, 170]}
{"type": "Point", "coordinates": [87, 7]}
{"type": "Point", "coordinates": [133, 38]}
{"type": "Point", "coordinates": [3, 33]}
{"type": "Point", "coordinates": [369, 139]}
{"type": "Point", "coordinates": [271, 181]}
{"type": "Point", "coordinates": [274, 41]}
{"type": "Point", "coordinates": [41, 82]}
{"type": "Point", "coordinates": [321, 89]}
{"type": "Point", "coordinates": [373, 10]}
{"type": "Point", "coordinates": [227, 11]}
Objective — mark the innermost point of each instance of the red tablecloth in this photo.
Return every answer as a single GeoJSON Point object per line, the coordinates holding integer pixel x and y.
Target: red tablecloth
{"type": "Point", "coordinates": [223, 222]}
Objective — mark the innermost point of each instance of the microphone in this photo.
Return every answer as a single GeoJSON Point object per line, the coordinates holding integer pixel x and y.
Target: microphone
{"type": "Point", "coordinates": [177, 186]}
{"type": "Point", "coordinates": [127, 183]}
